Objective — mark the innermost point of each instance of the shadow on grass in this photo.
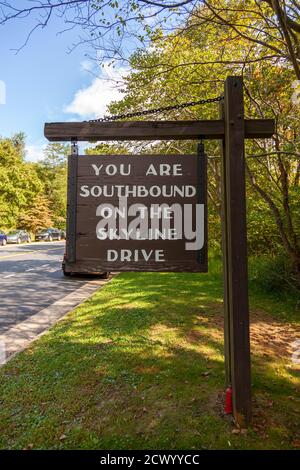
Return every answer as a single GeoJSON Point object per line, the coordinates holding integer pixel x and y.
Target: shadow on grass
{"type": "Point", "coordinates": [140, 365]}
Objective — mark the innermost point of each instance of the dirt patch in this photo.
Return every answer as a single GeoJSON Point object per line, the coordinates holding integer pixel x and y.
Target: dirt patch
{"type": "Point", "coordinates": [147, 370]}
{"type": "Point", "coordinates": [268, 336]}
{"type": "Point", "coordinates": [193, 336]}
{"type": "Point", "coordinates": [271, 337]}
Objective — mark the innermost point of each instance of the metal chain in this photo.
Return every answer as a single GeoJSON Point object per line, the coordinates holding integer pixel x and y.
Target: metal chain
{"type": "Point", "coordinates": [145, 112]}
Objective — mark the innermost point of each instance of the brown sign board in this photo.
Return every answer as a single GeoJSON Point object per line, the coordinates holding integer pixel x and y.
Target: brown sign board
{"type": "Point", "coordinates": [138, 213]}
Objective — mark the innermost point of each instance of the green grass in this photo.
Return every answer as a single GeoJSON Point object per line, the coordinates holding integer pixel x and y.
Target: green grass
{"type": "Point", "coordinates": [140, 366]}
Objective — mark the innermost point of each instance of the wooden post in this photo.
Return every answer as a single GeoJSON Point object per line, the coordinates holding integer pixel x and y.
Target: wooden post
{"type": "Point", "coordinates": [225, 259]}
{"type": "Point", "coordinates": [237, 342]}
{"type": "Point", "coordinates": [72, 203]}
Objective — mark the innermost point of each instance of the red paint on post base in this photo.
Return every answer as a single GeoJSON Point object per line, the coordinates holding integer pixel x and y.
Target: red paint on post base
{"type": "Point", "coordinates": [228, 401]}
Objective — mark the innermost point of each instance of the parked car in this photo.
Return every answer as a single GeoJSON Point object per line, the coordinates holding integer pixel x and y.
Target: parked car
{"type": "Point", "coordinates": [3, 238]}
{"type": "Point", "coordinates": [18, 236]}
{"type": "Point", "coordinates": [48, 235]}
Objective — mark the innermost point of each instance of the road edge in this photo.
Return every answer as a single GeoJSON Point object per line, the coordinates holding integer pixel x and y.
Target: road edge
{"type": "Point", "coordinates": [19, 337]}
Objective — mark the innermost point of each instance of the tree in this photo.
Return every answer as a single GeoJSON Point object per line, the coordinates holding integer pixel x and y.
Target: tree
{"type": "Point", "coordinates": [36, 216]}
{"type": "Point", "coordinates": [19, 181]}
{"type": "Point", "coordinates": [28, 190]}
{"type": "Point", "coordinates": [18, 140]}
{"type": "Point", "coordinates": [271, 26]}
{"type": "Point", "coordinates": [273, 168]}
{"type": "Point", "coordinates": [55, 155]}
{"type": "Point", "coordinates": [53, 173]}
{"type": "Point", "coordinates": [108, 149]}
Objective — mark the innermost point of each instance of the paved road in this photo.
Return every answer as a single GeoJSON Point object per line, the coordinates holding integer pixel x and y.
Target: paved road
{"type": "Point", "coordinates": [30, 280]}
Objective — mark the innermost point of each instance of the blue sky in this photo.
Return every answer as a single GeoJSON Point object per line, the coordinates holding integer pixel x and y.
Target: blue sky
{"type": "Point", "coordinates": [44, 83]}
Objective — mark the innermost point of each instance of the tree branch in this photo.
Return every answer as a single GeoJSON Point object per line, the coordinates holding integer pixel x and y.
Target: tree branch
{"type": "Point", "coordinates": [168, 5]}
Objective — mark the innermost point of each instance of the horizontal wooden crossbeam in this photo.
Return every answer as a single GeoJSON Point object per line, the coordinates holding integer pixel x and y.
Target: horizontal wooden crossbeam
{"type": "Point", "coordinates": [152, 130]}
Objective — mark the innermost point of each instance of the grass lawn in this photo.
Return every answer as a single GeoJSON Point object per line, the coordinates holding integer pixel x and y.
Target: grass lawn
{"type": "Point", "coordinates": [140, 366]}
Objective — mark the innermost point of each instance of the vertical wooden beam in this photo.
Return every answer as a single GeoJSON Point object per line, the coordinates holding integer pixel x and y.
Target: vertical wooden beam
{"type": "Point", "coordinates": [225, 260]}
{"type": "Point", "coordinates": [202, 196]}
{"type": "Point", "coordinates": [70, 254]}
{"type": "Point", "coordinates": [235, 239]}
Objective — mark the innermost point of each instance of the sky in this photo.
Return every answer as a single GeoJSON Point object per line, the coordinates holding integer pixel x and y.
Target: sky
{"type": "Point", "coordinates": [44, 83]}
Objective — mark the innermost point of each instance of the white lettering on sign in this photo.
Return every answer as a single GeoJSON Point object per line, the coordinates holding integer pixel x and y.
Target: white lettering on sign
{"type": "Point", "coordinates": [164, 169]}
{"type": "Point", "coordinates": [135, 255]}
{"type": "Point", "coordinates": [137, 191]}
{"type": "Point", "coordinates": [111, 170]}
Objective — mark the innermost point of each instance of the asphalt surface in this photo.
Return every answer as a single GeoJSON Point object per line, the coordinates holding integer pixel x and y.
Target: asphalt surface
{"type": "Point", "coordinates": [31, 279]}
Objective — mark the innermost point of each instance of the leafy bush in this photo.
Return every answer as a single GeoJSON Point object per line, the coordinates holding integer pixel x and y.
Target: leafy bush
{"type": "Point", "coordinates": [273, 274]}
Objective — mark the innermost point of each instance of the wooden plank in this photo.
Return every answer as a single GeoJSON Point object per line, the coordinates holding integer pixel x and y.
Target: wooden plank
{"type": "Point", "coordinates": [259, 128]}
{"type": "Point", "coordinates": [236, 239]}
{"type": "Point", "coordinates": [151, 130]}
{"type": "Point", "coordinates": [70, 254]}
{"type": "Point", "coordinates": [96, 266]}
{"type": "Point", "coordinates": [224, 218]}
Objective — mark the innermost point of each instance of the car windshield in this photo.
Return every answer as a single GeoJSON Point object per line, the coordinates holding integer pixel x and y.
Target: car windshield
{"type": "Point", "coordinates": [13, 232]}
{"type": "Point", "coordinates": [43, 232]}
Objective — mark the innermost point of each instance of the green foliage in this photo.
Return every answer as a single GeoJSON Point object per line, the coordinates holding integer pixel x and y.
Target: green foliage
{"type": "Point", "coordinates": [190, 63]}
{"type": "Point", "coordinates": [37, 215]}
{"type": "Point", "coordinates": [104, 148]}
{"type": "Point", "coordinates": [32, 195]}
{"type": "Point", "coordinates": [262, 233]}
{"type": "Point", "coordinates": [19, 182]}
{"type": "Point", "coordinates": [53, 173]}
{"type": "Point", "coordinates": [272, 274]}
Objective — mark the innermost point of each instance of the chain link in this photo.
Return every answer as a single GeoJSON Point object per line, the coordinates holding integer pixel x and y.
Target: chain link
{"type": "Point", "coordinates": [145, 112]}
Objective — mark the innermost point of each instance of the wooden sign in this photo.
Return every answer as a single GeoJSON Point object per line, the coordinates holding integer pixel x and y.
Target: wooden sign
{"type": "Point", "coordinates": [140, 213]}
{"type": "Point", "coordinates": [87, 252]}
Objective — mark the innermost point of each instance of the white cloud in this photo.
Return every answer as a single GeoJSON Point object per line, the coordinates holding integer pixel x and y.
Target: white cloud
{"type": "Point", "coordinates": [91, 102]}
{"type": "Point", "coordinates": [35, 151]}
{"type": "Point", "coordinates": [86, 66]}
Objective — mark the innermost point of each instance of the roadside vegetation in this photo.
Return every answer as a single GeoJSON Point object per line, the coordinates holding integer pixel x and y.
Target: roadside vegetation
{"type": "Point", "coordinates": [32, 194]}
{"type": "Point", "coordinates": [140, 365]}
